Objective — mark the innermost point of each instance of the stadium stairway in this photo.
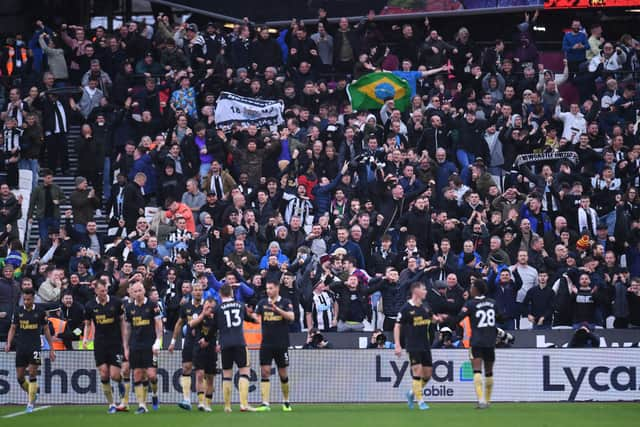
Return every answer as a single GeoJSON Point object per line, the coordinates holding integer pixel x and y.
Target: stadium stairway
{"type": "Point", "coordinates": [67, 184]}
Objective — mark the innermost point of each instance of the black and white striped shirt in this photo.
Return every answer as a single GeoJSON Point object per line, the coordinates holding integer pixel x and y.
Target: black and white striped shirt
{"type": "Point", "coordinates": [176, 239]}
{"type": "Point", "coordinates": [322, 311]}
{"type": "Point", "coordinates": [17, 112]}
{"type": "Point", "coordinates": [11, 140]}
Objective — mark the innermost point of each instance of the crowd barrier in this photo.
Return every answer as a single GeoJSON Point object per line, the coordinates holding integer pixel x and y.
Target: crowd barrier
{"type": "Point", "coordinates": [523, 338]}
{"type": "Point", "coordinates": [351, 376]}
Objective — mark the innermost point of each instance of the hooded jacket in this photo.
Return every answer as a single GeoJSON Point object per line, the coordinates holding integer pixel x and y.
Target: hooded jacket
{"type": "Point", "coordinates": [282, 258]}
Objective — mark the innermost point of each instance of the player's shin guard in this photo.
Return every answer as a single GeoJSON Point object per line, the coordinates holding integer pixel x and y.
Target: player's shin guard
{"type": "Point", "coordinates": [108, 392]}
{"type": "Point", "coordinates": [416, 387]}
{"type": "Point", "coordinates": [284, 385]}
{"type": "Point", "coordinates": [33, 389]}
{"type": "Point", "coordinates": [201, 398]}
{"type": "Point", "coordinates": [488, 387]}
{"type": "Point", "coordinates": [154, 387]}
{"type": "Point", "coordinates": [145, 390]}
{"type": "Point", "coordinates": [477, 382]}
{"type": "Point", "coordinates": [119, 386]}
{"type": "Point", "coordinates": [226, 391]}
{"type": "Point", "coordinates": [24, 385]}
{"type": "Point", "coordinates": [138, 389]}
{"type": "Point", "coordinates": [207, 399]}
{"type": "Point", "coordinates": [185, 383]}
{"type": "Point", "coordinates": [243, 388]}
{"type": "Point", "coordinates": [265, 390]}
{"type": "Point", "coordinates": [127, 391]}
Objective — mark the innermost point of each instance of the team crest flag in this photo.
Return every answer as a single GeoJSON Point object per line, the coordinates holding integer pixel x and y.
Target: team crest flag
{"type": "Point", "coordinates": [371, 90]}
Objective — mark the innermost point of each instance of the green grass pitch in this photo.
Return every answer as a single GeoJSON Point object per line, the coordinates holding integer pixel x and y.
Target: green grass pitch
{"type": "Point", "coordinates": [335, 415]}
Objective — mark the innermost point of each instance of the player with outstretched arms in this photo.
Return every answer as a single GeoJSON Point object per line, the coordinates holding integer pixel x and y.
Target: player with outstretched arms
{"type": "Point", "coordinates": [29, 321]}
{"type": "Point", "coordinates": [413, 323]}
{"type": "Point", "coordinates": [142, 341]}
{"type": "Point", "coordinates": [230, 316]}
{"type": "Point", "coordinates": [103, 316]}
{"type": "Point", "coordinates": [482, 314]}
{"type": "Point", "coordinates": [275, 313]}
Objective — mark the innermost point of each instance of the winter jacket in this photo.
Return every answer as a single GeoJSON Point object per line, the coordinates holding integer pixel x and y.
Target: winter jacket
{"type": "Point", "coordinates": [394, 295]}
{"type": "Point", "coordinates": [38, 201]}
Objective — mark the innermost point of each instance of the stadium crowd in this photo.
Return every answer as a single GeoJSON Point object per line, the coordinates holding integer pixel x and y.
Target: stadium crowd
{"type": "Point", "coordinates": [489, 174]}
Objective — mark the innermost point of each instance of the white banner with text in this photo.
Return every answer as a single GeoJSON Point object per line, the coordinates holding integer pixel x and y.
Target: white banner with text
{"type": "Point", "coordinates": [326, 376]}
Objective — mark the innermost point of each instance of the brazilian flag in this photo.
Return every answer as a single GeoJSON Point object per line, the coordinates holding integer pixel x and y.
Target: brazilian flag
{"type": "Point", "coordinates": [371, 90]}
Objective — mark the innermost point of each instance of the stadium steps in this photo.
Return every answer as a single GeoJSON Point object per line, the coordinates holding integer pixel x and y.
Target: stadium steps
{"type": "Point", "coordinates": [67, 184]}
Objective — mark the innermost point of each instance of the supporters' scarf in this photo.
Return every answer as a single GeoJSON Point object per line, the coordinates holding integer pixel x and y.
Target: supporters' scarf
{"type": "Point", "coordinates": [543, 157]}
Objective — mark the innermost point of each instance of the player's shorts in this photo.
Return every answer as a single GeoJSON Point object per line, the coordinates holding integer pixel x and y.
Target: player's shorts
{"type": "Point", "coordinates": [205, 359]}
{"type": "Point", "coordinates": [238, 355]}
{"type": "Point", "coordinates": [187, 351]}
{"type": "Point", "coordinates": [142, 359]}
{"type": "Point", "coordinates": [420, 358]}
{"type": "Point", "coordinates": [280, 355]}
{"type": "Point", "coordinates": [108, 353]}
{"type": "Point", "coordinates": [488, 354]}
{"type": "Point", "coordinates": [26, 357]}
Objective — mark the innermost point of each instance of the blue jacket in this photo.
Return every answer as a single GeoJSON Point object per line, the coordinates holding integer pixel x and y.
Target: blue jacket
{"type": "Point", "coordinates": [322, 194]}
{"type": "Point", "coordinates": [241, 293]}
{"type": "Point", "coordinates": [352, 249]}
{"type": "Point", "coordinates": [140, 250]}
{"type": "Point", "coordinates": [633, 260]}
{"type": "Point", "coordinates": [145, 165]}
{"type": "Point", "coordinates": [505, 297]}
{"type": "Point", "coordinates": [569, 40]}
{"type": "Point", "coordinates": [476, 255]}
{"type": "Point", "coordinates": [494, 276]}
{"type": "Point", "coordinates": [417, 187]}
{"type": "Point", "coordinates": [526, 213]}
{"type": "Point", "coordinates": [264, 262]}
{"type": "Point", "coordinates": [445, 170]}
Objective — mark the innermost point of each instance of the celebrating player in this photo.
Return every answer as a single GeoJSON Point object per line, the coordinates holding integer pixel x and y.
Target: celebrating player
{"type": "Point", "coordinates": [413, 322]}
{"type": "Point", "coordinates": [29, 321]}
{"type": "Point", "coordinates": [230, 316]}
{"type": "Point", "coordinates": [205, 357]}
{"type": "Point", "coordinates": [188, 311]}
{"type": "Point", "coordinates": [141, 342]}
{"type": "Point", "coordinates": [482, 313]}
{"type": "Point", "coordinates": [276, 313]}
{"type": "Point", "coordinates": [104, 317]}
